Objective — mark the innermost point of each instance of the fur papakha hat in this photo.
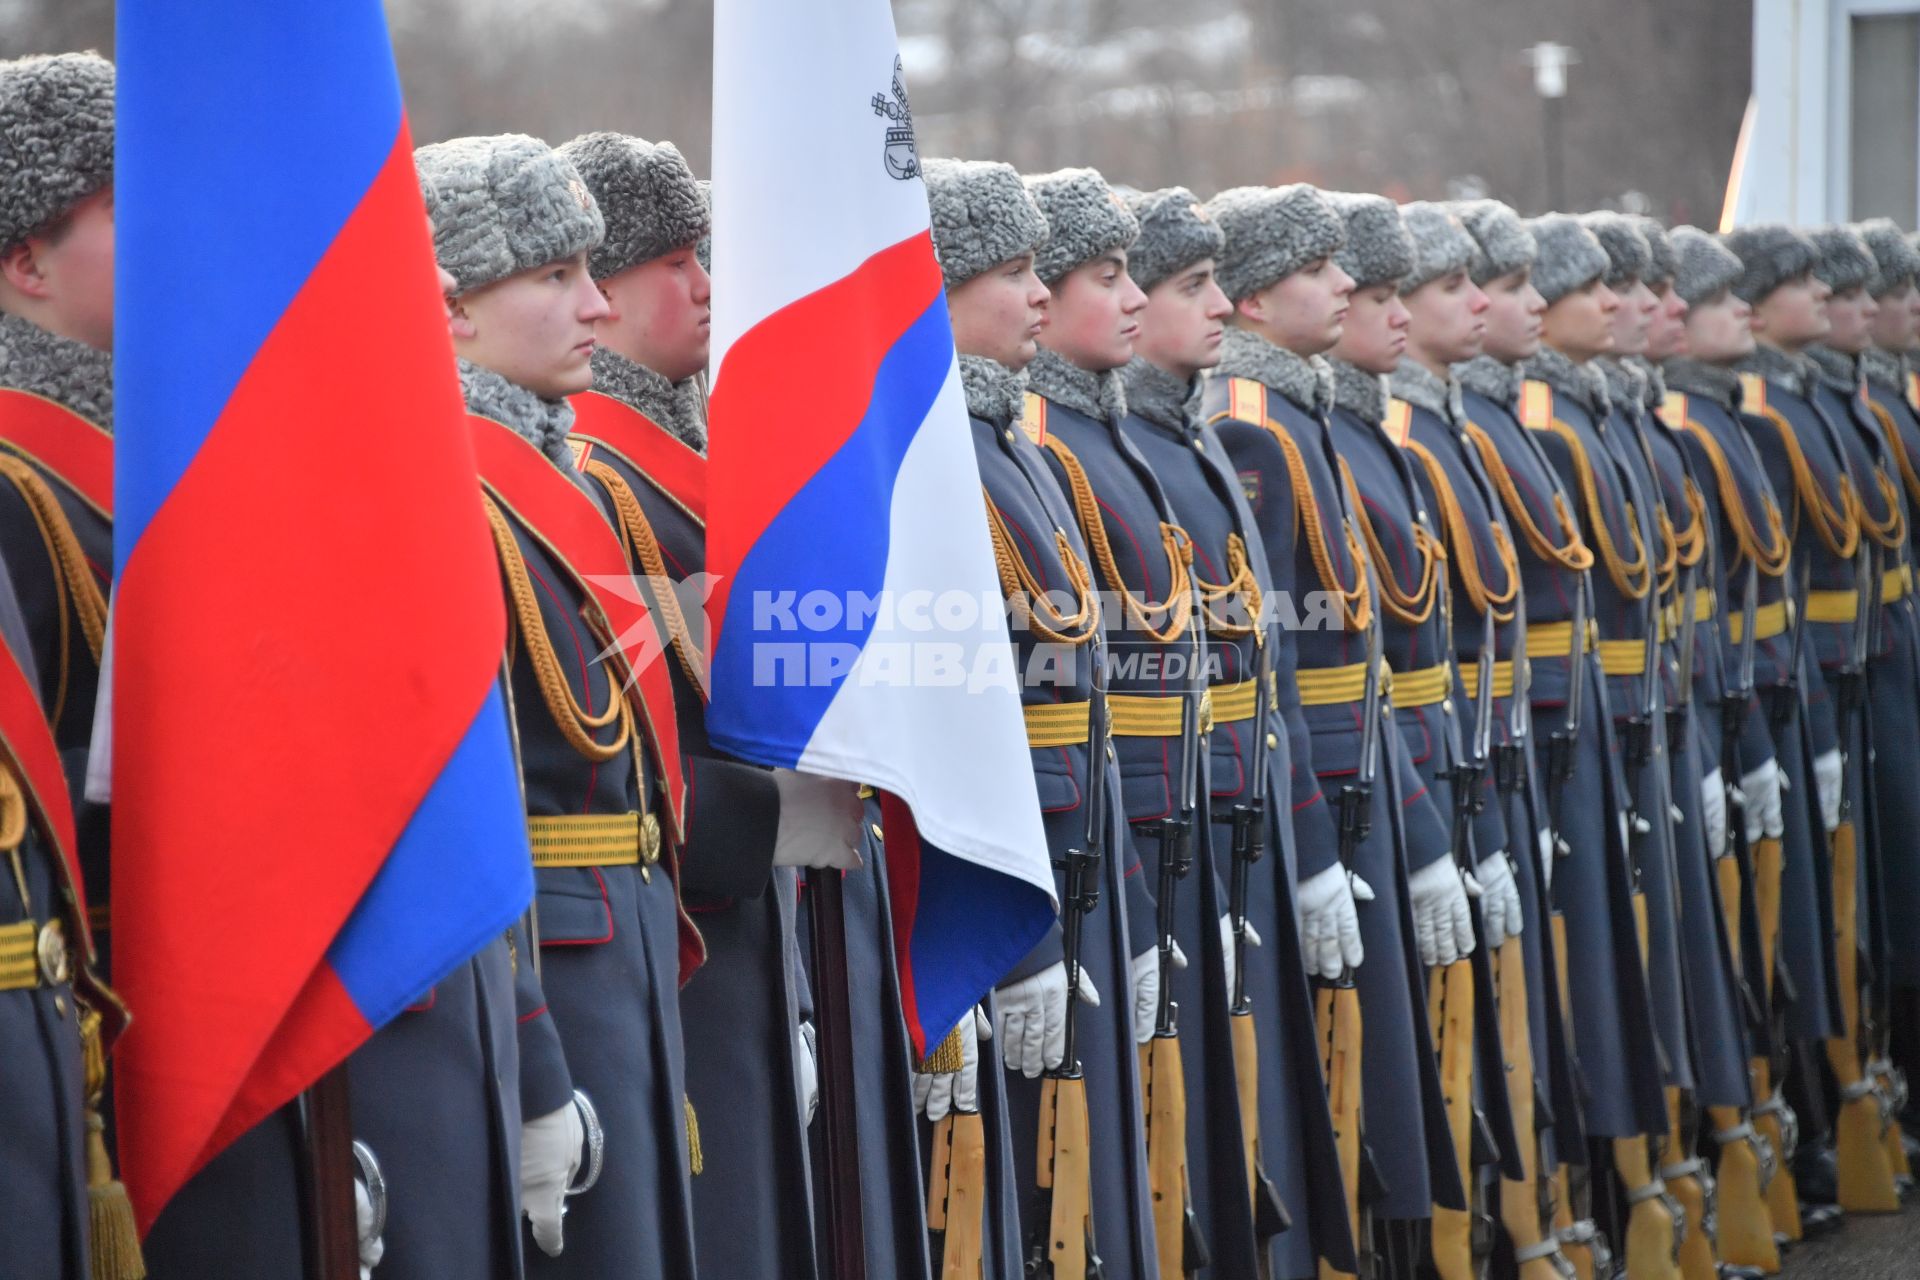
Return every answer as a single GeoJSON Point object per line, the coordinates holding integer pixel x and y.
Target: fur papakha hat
{"type": "Point", "coordinates": [704, 250]}
{"type": "Point", "coordinates": [56, 138]}
{"type": "Point", "coordinates": [1896, 259]}
{"type": "Point", "coordinates": [1628, 255]}
{"type": "Point", "coordinates": [1175, 233]}
{"type": "Point", "coordinates": [1702, 265]}
{"type": "Point", "coordinates": [1377, 250]}
{"type": "Point", "coordinates": [504, 204]}
{"type": "Point", "coordinates": [1271, 233]}
{"type": "Point", "coordinates": [1442, 244]}
{"type": "Point", "coordinates": [1502, 243]}
{"type": "Point", "coordinates": [1569, 256]}
{"type": "Point", "coordinates": [1085, 218]}
{"type": "Point", "coordinates": [648, 196]}
{"type": "Point", "coordinates": [1844, 260]}
{"type": "Point", "coordinates": [1770, 253]}
{"type": "Point", "coordinates": [1660, 261]}
{"type": "Point", "coordinates": [982, 216]}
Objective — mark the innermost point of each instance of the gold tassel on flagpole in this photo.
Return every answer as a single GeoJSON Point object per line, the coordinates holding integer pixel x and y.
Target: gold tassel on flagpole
{"type": "Point", "coordinates": [947, 1056]}
{"type": "Point", "coordinates": [113, 1241]}
{"type": "Point", "coordinates": [696, 1159]}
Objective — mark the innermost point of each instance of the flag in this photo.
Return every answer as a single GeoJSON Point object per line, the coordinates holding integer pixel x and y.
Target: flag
{"type": "Point", "coordinates": [858, 626]}
{"type": "Point", "coordinates": [316, 810]}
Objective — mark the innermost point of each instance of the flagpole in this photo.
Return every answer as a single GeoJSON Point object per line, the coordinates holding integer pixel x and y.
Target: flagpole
{"type": "Point", "coordinates": [333, 1236]}
{"type": "Point", "coordinates": [845, 1237]}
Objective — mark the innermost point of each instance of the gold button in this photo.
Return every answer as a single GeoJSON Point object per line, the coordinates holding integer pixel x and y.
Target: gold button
{"type": "Point", "coordinates": [649, 839]}
{"type": "Point", "coordinates": [1273, 742]}
{"type": "Point", "coordinates": [52, 951]}
{"type": "Point", "coordinates": [1446, 705]}
{"type": "Point", "coordinates": [875, 828]}
{"type": "Point", "coordinates": [1009, 435]}
{"type": "Point", "coordinates": [60, 1005]}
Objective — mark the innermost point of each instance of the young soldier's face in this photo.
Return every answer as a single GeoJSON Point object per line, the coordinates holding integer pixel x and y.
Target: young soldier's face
{"type": "Point", "coordinates": [1303, 312]}
{"type": "Point", "coordinates": [534, 329]}
{"type": "Point", "coordinates": [1374, 336]}
{"type": "Point", "coordinates": [1579, 325]}
{"type": "Point", "coordinates": [1514, 308]}
{"type": "Point", "coordinates": [65, 273]}
{"type": "Point", "coordinates": [1719, 330]}
{"type": "Point", "coordinates": [1449, 318]}
{"type": "Point", "coordinates": [999, 313]}
{"type": "Point", "coordinates": [1893, 328]}
{"type": "Point", "coordinates": [1850, 317]}
{"type": "Point", "coordinates": [1184, 321]}
{"type": "Point", "coordinates": [1094, 315]}
{"type": "Point", "coordinates": [1633, 319]}
{"type": "Point", "coordinates": [661, 314]}
{"type": "Point", "coordinates": [1668, 335]}
{"type": "Point", "coordinates": [1794, 314]}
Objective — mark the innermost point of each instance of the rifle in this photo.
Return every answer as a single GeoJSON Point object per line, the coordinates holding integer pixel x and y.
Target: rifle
{"type": "Point", "coordinates": [1337, 1003]}
{"type": "Point", "coordinates": [1182, 1248]}
{"type": "Point", "coordinates": [1061, 1245]}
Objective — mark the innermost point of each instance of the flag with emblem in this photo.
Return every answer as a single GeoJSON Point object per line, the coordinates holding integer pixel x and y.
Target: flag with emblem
{"type": "Point", "coordinates": [858, 632]}
{"type": "Point", "coordinates": [316, 812]}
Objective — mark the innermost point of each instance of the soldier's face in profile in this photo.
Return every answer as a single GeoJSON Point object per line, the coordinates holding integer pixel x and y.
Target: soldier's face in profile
{"type": "Point", "coordinates": [1850, 317]}
{"type": "Point", "coordinates": [1668, 334]}
{"type": "Point", "coordinates": [1719, 329]}
{"type": "Point", "coordinates": [1579, 324]}
{"type": "Point", "coordinates": [1184, 321]}
{"type": "Point", "coordinates": [661, 314]}
{"type": "Point", "coordinates": [1893, 328]}
{"type": "Point", "coordinates": [1633, 319]}
{"type": "Point", "coordinates": [1514, 308]}
{"type": "Point", "coordinates": [1374, 336]}
{"type": "Point", "coordinates": [535, 329]}
{"type": "Point", "coordinates": [1448, 318]}
{"type": "Point", "coordinates": [1000, 313]}
{"type": "Point", "coordinates": [1094, 315]}
{"type": "Point", "coordinates": [1794, 314]}
{"type": "Point", "coordinates": [1303, 312]}
{"type": "Point", "coordinates": [66, 272]}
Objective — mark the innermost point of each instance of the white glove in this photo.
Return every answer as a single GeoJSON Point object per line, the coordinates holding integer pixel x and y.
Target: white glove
{"type": "Point", "coordinates": [1033, 1019]}
{"type": "Point", "coordinates": [808, 1057]}
{"type": "Point", "coordinates": [1766, 819]}
{"type": "Point", "coordinates": [1499, 899]}
{"type": "Point", "coordinates": [1713, 808]}
{"type": "Point", "coordinates": [937, 1093]}
{"type": "Point", "coordinates": [372, 1247]}
{"type": "Point", "coordinates": [1232, 952]}
{"type": "Point", "coordinates": [1547, 851]}
{"type": "Point", "coordinates": [550, 1150]}
{"type": "Point", "coordinates": [819, 821]}
{"type": "Point", "coordinates": [1146, 990]}
{"type": "Point", "coordinates": [1828, 781]}
{"type": "Point", "coordinates": [1442, 920]}
{"type": "Point", "coordinates": [1329, 925]}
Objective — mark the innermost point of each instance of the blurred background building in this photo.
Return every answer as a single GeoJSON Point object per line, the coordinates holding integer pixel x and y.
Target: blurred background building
{"type": "Point", "coordinates": [1413, 98]}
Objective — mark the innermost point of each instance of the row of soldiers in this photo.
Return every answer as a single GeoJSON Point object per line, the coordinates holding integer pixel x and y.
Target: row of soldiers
{"type": "Point", "coordinates": [1473, 682]}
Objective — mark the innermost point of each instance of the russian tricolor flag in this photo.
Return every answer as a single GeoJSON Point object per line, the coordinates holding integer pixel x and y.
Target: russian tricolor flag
{"type": "Point", "coordinates": [858, 632]}
{"type": "Point", "coordinates": [316, 806]}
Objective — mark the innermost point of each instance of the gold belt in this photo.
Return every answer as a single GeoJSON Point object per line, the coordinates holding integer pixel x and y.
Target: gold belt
{"type": "Point", "coordinates": [594, 839]}
{"type": "Point", "coordinates": [1769, 620]}
{"type": "Point", "coordinates": [1337, 686]}
{"type": "Point", "coordinates": [31, 954]}
{"type": "Point", "coordinates": [1555, 639]}
{"type": "Point", "coordinates": [1422, 688]}
{"type": "Point", "coordinates": [1703, 607]}
{"type": "Point", "coordinates": [1057, 724]}
{"type": "Point", "coordinates": [1154, 715]}
{"type": "Point", "coordinates": [1833, 606]}
{"type": "Point", "coordinates": [1234, 701]}
{"type": "Point", "coordinates": [1896, 583]}
{"type": "Point", "coordinates": [1623, 657]}
{"type": "Point", "coordinates": [1502, 679]}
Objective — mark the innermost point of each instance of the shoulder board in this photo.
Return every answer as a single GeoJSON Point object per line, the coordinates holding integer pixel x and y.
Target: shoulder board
{"type": "Point", "coordinates": [1033, 418]}
{"type": "Point", "coordinates": [1247, 400]}
{"type": "Point", "coordinates": [1536, 405]}
{"type": "Point", "coordinates": [1753, 393]}
{"type": "Point", "coordinates": [1399, 422]}
{"type": "Point", "coordinates": [1913, 391]}
{"type": "Point", "coordinates": [1673, 410]}
{"type": "Point", "coordinates": [580, 449]}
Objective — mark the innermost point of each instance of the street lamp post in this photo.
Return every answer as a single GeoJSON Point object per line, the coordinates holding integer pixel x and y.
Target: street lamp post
{"type": "Point", "coordinates": [1550, 62]}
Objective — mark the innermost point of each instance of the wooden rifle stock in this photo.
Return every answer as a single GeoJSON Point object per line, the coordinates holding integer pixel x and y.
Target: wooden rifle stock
{"type": "Point", "coordinates": [1450, 1010]}
{"type": "Point", "coordinates": [1337, 1021]}
{"type": "Point", "coordinates": [1246, 1075]}
{"type": "Point", "coordinates": [1520, 1201]}
{"type": "Point", "coordinates": [1866, 1180]}
{"type": "Point", "coordinates": [956, 1193]}
{"type": "Point", "coordinates": [1065, 1174]}
{"type": "Point", "coordinates": [1697, 1261]}
{"type": "Point", "coordinates": [1746, 1223]}
{"type": "Point", "coordinates": [1652, 1247]}
{"type": "Point", "coordinates": [1163, 1080]}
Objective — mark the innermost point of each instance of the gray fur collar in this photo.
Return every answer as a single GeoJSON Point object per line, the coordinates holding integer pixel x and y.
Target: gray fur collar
{"type": "Point", "coordinates": [677, 406]}
{"type": "Point", "coordinates": [72, 374]}
{"type": "Point", "coordinates": [1360, 392]}
{"type": "Point", "coordinates": [994, 392]}
{"type": "Point", "coordinates": [1305, 380]}
{"type": "Point", "coordinates": [1483, 375]}
{"type": "Point", "coordinates": [1626, 385]}
{"type": "Point", "coordinates": [544, 423]}
{"type": "Point", "coordinates": [1884, 369]}
{"type": "Point", "coordinates": [1789, 372]}
{"type": "Point", "coordinates": [1160, 398]}
{"type": "Point", "coordinates": [1584, 383]}
{"type": "Point", "coordinates": [1653, 391]}
{"type": "Point", "coordinates": [1416, 384]}
{"type": "Point", "coordinates": [1714, 382]}
{"type": "Point", "coordinates": [1837, 369]}
{"type": "Point", "coordinates": [1100, 396]}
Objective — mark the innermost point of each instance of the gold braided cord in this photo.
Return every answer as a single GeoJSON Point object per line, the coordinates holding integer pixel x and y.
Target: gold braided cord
{"type": "Point", "coordinates": [1027, 594]}
{"type": "Point", "coordinates": [643, 548]}
{"type": "Point", "coordinates": [73, 580]}
{"type": "Point", "coordinates": [1356, 602]}
{"type": "Point", "coordinates": [576, 724]}
{"type": "Point", "coordinates": [1890, 533]}
{"type": "Point", "coordinates": [1573, 555]}
{"type": "Point", "coordinates": [1632, 579]}
{"type": "Point", "coordinates": [1840, 529]}
{"type": "Point", "coordinates": [1086, 509]}
{"type": "Point", "coordinates": [1899, 446]}
{"type": "Point", "coordinates": [1769, 559]}
{"type": "Point", "coordinates": [1411, 607]}
{"type": "Point", "coordinates": [1462, 551]}
{"type": "Point", "coordinates": [1244, 583]}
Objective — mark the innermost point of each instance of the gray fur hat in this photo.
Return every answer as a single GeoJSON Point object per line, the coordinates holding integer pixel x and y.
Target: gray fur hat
{"type": "Point", "coordinates": [1085, 218]}
{"type": "Point", "coordinates": [1569, 255]}
{"type": "Point", "coordinates": [1628, 255]}
{"type": "Point", "coordinates": [1175, 233]}
{"type": "Point", "coordinates": [1501, 242]}
{"type": "Point", "coordinates": [1442, 244]}
{"type": "Point", "coordinates": [56, 138]}
{"type": "Point", "coordinates": [982, 216]}
{"type": "Point", "coordinates": [1661, 264]}
{"type": "Point", "coordinates": [1378, 249]}
{"type": "Point", "coordinates": [1896, 259]}
{"type": "Point", "coordinates": [647, 194]}
{"type": "Point", "coordinates": [704, 250]}
{"type": "Point", "coordinates": [504, 204]}
{"type": "Point", "coordinates": [1702, 265]}
{"type": "Point", "coordinates": [1770, 253]}
{"type": "Point", "coordinates": [1845, 262]}
{"type": "Point", "coordinates": [1271, 233]}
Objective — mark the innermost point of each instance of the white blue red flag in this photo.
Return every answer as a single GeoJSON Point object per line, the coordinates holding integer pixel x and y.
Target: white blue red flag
{"type": "Point", "coordinates": [858, 627]}
{"type": "Point", "coordinates": [316, 810]}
